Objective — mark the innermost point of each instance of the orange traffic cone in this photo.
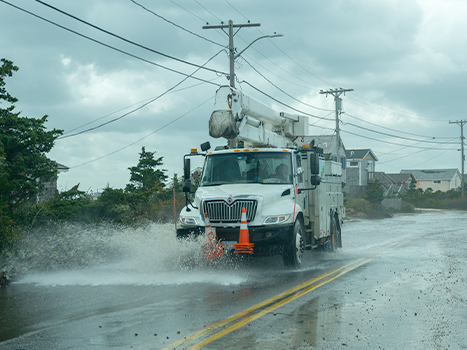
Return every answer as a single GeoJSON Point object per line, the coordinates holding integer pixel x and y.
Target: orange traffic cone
{"type": "Point", "coordinates": [212, 249]}
{"type": "Point", "coordinates": [243, 245]}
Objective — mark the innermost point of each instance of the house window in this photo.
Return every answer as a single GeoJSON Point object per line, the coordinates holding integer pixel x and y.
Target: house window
{"type": "Point", "coordinates": [353, 164]}
{"type": "Point", "coordinates": [436, 181]}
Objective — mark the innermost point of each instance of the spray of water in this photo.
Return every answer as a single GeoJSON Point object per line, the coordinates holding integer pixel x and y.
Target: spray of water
{"type": "Point", "coordinates": [110, 254]}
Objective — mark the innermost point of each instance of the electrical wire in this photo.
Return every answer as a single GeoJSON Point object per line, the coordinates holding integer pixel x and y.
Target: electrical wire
{"type": "Point", "coordinates": [191, 13]}
{"type": "Point", "coordinates": [241, 14]}
{"type": "Point", "coordinates": [141, 139]}
{"type": "Point", "coordinates": [111, 47]}
{"type": "Point", "coordinates": [399, 131]}
{"type": "Point", "coordinates": [281, 90]}
{"type": "Point", "coordinates": [208, 11]}
{"type": "Point", "coordinates": [398, 137]}
{"type": "Point", "coordinates": [122, 109]}
{"type": "Point", "coordinates": [127, 40]}
{"type": "Point", "coordinates": [388, 142]}
{"type": "Point", "coordinates": [143, 105]}
{"type": "Point", "coordinates": [284, 104]}
{"type": "Point", "coordinates": [176, 25]}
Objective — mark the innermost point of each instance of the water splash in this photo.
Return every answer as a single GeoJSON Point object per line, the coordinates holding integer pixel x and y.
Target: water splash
{"type": "Point", "coordinates": [114, 255]}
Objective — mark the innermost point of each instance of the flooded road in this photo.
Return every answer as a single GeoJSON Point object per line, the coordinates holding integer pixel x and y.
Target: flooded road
{"type": "Point", "coordinates": [396, 283]}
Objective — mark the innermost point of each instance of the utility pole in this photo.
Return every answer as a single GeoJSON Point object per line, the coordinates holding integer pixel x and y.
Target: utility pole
{"type": "Point", "coordinates": [338, 104]}
{"type": "Point", "coordinates": [232, 55]}
{"type": "Point", "coordinates": [461, 123]}
{"type": "Point", "coordinates": [231, 35]}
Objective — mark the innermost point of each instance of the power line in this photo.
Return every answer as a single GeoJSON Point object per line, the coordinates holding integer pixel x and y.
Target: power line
{"type": "Point", "coordinates": [395, 136]}
{"type": "Point", "coordinates": [281, 90]}
{"type": "Point", "coordinates": [176, 25]}
{"type": "Point", "coordinates": [121, 109]}
{"type": "Point", "coordinates": [220, 20]}
{"type": "Point", "coordinates": [191, 13]}
{"type": "Point", "coordinates": [284, 104]}
{"type": "Point", "coordinates": [138, 108]}
{"type": "Point", "coordinates": [141, 139]}
{"type": "Point", "coordinates": [127, 40]}
{"type": "Point", "coordinates": [391, 143]}
{"type": "Point", "coordinates": [241, 14]}
{"type": "Point", "coordinates": [109, 46]}
{"type": "Point", "coordinates": [399, 131]}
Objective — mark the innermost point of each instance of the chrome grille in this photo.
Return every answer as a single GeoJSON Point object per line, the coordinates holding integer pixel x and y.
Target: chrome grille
{"type": "Point", "coordinates": [219, 211]}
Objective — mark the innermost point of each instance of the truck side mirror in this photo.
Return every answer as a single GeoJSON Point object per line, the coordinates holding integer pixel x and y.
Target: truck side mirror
{"type": "Point", "coordinates": [186, 169]}
{"type": "Point", "coordinates": [186, 173]}
{"type": "Point", "coordinates": [314, 169]}
{"type": "Point", "coordinates": [205, 146]}
{"type": "Point", "coordinates": [187, 186]}
{"type": "Point", "coordinates": [314, 164]}
{"type": "Point", "coordinates": [315, 180]}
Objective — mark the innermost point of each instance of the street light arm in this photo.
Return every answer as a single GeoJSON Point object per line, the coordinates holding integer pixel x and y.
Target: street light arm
{"type": "Point", "coordinates": [261, 37]}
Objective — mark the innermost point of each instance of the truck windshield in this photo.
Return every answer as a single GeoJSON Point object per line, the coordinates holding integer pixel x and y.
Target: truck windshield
{"type": "Point", "coordinates": [247, 167]}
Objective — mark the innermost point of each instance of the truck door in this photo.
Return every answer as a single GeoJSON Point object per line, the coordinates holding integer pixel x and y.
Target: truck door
{"type": "Point", "coordinates": [299, 181]}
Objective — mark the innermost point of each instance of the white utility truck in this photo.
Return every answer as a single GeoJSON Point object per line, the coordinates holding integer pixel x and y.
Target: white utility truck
{"type": "Point", "coordinates": [292, 195]}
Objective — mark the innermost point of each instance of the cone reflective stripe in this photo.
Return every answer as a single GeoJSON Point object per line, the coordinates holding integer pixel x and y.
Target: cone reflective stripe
{"type": "Point", "coordinates": [243, 245]}
{"type": "Point", "coordinates": [212, 249]}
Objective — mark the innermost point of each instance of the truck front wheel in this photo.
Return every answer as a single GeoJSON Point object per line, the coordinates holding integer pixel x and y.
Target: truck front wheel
{"type": "Point", "coordinates": [293, 251]}
{"type": "Point", "coordinates": [334, 238]}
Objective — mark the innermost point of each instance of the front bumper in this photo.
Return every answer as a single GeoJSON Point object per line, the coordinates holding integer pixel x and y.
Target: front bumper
{"type": "Point", "coordinates": [259, 235]}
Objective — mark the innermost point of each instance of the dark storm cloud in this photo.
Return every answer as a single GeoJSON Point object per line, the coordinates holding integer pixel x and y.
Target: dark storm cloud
{"type": "Point", "coordinates": [403, 58]}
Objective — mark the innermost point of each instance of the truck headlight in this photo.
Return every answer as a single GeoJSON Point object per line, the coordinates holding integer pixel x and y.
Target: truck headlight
{"type": "Point", "coordinates": [188, 221]}
{"type": "Point", "coordinates": [276, 219]}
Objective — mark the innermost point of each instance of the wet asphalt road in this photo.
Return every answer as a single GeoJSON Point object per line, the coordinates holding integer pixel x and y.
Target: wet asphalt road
{"type": "Point", "coordinates": [397, 283]}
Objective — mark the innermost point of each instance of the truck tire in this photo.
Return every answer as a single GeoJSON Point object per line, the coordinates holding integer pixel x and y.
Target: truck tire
{"type": "Point", "coordinates": [339, 236]}
{"type": "Point", "coordinates": [293, 252]}
{"type": "Point", "coordinates": [333, 241]}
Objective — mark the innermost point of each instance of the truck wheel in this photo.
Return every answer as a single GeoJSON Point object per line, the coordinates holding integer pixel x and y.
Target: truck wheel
{"type": "Point", "coordinates": [331, 245]}
{"type": "Point", "coordinates": [293, 252]}
{"type": "Point", "coordinates": [339, 237]}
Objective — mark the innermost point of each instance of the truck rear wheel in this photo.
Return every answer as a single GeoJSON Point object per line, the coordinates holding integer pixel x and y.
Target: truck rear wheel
{"type": "Point", "coordinates": [293, 252]}
{"type": "Point", "coordinates": [333, 242]}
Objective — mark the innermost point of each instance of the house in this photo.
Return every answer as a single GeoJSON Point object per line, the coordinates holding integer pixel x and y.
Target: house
{"type": "Point", "coordinates": [361, 165]}
{"type": "Point", "coordinates": [401, 182]}
{"type": "Point", "coordinates": [436, 179]}
{"type": "Point", "coordinates": [50, 188]}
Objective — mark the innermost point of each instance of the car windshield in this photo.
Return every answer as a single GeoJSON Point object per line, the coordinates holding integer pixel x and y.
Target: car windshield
{"type": "Point", "coordinates": [247, 167]}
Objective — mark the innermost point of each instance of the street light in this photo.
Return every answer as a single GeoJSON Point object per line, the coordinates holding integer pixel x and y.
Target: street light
{"type": "Point", "coordinates": [261, 37]}
{"type": "Point", "coordinates": [233, 57]}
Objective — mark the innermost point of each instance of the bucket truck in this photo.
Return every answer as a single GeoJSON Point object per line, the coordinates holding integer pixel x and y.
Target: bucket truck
{"type": "Point", "coordinates": [292, 196]}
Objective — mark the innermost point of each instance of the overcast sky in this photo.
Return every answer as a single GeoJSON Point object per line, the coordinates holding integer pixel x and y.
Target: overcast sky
{"type": "Point", "coordinates": [406, 61]}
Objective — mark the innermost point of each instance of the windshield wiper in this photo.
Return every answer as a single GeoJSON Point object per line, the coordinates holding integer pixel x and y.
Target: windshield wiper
{"type": "Point", "coordinates": [217, 183]}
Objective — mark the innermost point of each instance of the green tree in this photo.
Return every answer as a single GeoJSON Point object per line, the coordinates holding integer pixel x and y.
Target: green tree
{"type": "Point", "coordinates": [144, 176]}
{"type": "Point", "coordinates": [375, 193]}
{"type": "Point", "coordinates": [24, 143]}
{"type": "Point", "coordinates": [24, 166]}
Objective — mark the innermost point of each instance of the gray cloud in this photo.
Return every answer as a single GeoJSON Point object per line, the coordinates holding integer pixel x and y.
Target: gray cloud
{"type": "Point", "coordinates": [403, 58]}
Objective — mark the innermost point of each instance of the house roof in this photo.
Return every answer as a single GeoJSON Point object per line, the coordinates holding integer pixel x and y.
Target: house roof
{"type": "Point", "coordinates": [401, 178]}
{"type": "Point", "coordinates": [360, 154]}
{"type": "Point", "coordinates": [432, 174]}
{"type": "Point", "coordinates": [62, 168]}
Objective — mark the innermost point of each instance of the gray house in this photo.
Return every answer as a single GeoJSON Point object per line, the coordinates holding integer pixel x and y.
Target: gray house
{"type": "Point", "coordinates": [50, 188]}
{"type": "Point", "coordinates": [360, 170]}
{"type": "Point", "coordinates": [436, 179]}
{"type": "Point", "coordinates": [401, 183]}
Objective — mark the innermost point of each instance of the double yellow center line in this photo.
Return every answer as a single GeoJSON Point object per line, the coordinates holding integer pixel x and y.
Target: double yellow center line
{"type": "Point", "coordinates": [273, 303]}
